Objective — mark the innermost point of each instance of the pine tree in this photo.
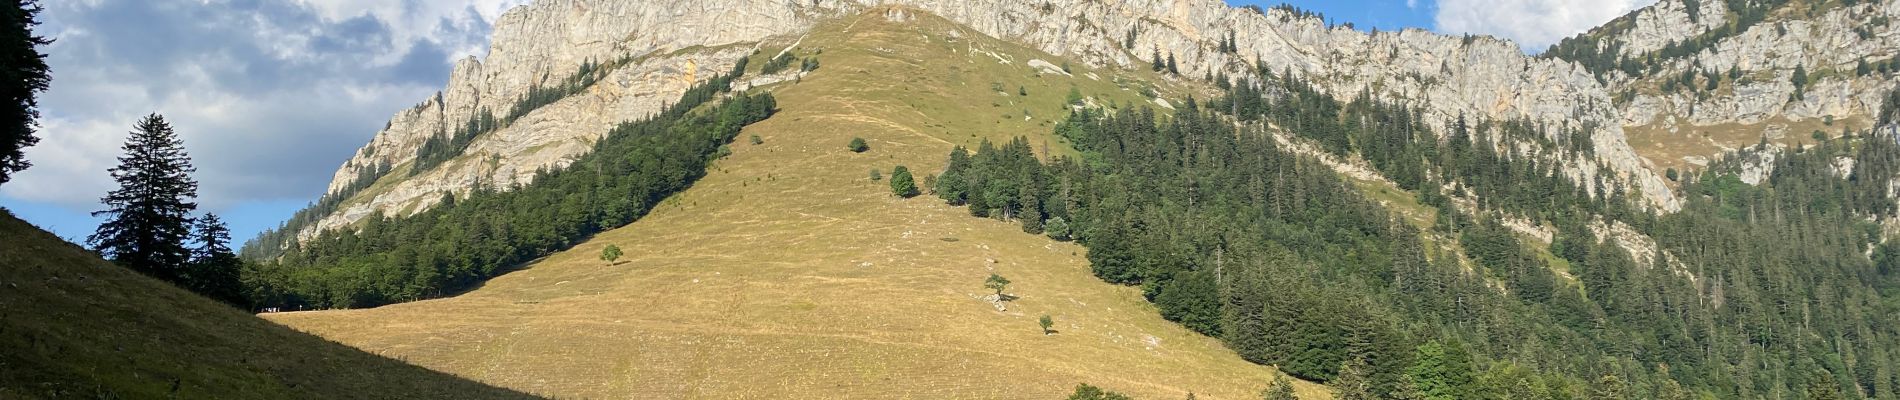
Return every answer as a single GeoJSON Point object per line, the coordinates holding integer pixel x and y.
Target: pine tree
{"type": "Point", "coordinates": [1173, 69]}
{"type": "Point", "coordinates": [214, 269]}
{"type": "Point", "coordinates": [997, 283]}
{"type": "Point", "coordinates": [148, 218]}
{"type": "Point", "coordinates": [1353, 382]}
{"type": "Point", "coordinates": [23, 75]}
{"type": "Point", "coordinates": [902, 183]}
{"type": "Point", "coordinates": [1160, 64]}
{"type": "Point", "coordinates": [1281, 389]}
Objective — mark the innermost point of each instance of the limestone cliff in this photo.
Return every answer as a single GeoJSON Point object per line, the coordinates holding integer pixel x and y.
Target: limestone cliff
{"type": "Point", "coordinates": [671, 42]}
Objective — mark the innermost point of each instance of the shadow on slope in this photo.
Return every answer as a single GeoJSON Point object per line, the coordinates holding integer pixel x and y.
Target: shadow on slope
{"type": "Point", "coordinates": [73, 325]}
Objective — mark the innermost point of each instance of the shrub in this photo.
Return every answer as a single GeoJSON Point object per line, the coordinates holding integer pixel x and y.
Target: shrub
{"type": "Point", "coordinates": [858, 146]}
{"type": "Point", "coordinates": [902, 184]}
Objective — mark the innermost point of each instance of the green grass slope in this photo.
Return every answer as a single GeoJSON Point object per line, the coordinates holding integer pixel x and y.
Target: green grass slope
{"type": "Point", "coordinates": [75, 326]}
{"type": "Point", "coordinates": [788, 273]}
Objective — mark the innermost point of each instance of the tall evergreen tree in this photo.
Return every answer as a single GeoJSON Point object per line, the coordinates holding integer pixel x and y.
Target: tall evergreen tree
{"type": "Point", "coordinates": [148, 218]}
{"type": "Point", "coordinates": [214, 268]}
{"type": "Point", "coordinates": [23, 75]}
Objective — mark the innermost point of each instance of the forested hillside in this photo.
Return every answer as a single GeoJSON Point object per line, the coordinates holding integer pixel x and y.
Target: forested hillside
{"type": "Point", "coordinates": [1753, 292]}
{"type": "Point", "coordinates": [466, 240]}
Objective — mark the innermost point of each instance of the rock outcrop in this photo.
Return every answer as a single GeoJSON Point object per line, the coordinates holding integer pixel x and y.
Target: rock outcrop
{"type": "Point", "coordinates": [672, 41]}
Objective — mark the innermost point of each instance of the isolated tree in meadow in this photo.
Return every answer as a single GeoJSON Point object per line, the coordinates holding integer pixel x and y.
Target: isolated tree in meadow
{"type": "Point", "coordinates": [858, 146]}
{"type": "Point", "coordinates": [902, 183]}
{"type": "Point", "coordinates": [997, 283]}
{"type": "Point", "coordinates": [610, 254]}
{"type": "Point", "coordinates": [1046, 323]}
{"type": "Point", "coordinates": [148, 218]}
{"type": "Point", "coordinates": [23, 75]}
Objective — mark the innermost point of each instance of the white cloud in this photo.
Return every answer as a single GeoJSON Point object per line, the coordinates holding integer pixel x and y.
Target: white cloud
{"type": "Point", "coordinates": [270, 96]}
{"type": "Point", "coordinates": [1533, 24]}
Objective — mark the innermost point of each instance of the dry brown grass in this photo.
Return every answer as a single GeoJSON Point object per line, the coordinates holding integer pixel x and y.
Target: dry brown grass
{"type": "Point", "coordinates": [787, 273]}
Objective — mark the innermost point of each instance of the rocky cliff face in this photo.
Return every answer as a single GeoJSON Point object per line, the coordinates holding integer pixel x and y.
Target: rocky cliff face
{"type": "Point", "coordinates": [1829, 48]}
{"type": "Point", "coordinates": [671, 41]}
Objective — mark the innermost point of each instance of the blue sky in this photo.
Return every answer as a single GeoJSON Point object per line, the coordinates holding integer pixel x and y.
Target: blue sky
{"type": "Point", "coordinates": [271, 96]}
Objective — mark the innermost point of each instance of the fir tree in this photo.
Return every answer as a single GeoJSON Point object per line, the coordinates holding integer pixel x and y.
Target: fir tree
{"type": "Point", "coordinates": [1281, 389]}
{"type": "Point", "coordinates": [23, 75]}
{"type": "Point", "coordinates": [214, 269]}
{"type": "Point", "coordinates": [148, 218]}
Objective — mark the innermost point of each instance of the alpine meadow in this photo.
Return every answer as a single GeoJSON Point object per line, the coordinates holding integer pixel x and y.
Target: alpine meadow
{"type": "Point", "coordinates": [952, 199]}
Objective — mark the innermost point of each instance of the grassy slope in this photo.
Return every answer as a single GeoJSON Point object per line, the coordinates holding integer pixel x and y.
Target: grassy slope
{"type": "Point", "coordinates": [72, 325]}
{"type": "Point", "coordinates": [788, 273]}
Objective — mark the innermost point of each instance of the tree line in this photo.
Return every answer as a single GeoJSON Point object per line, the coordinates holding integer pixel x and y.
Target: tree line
{"type": "Point", "coordinates": [463, 240]}
{"type": "Point", "coordinates": [1757, 292]}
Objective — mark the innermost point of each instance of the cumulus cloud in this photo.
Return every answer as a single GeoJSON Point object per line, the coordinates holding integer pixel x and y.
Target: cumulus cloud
{"type": "Point", "coordinates": [1533, 24]}
{"type": "Point", "coordinates": [270, 96]}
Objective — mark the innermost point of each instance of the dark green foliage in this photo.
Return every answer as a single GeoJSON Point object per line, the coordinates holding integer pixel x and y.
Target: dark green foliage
{"type": "Point", "coordinates": [1308, 275]}
{"type": "Point", "coordinates": [1087, 392]}
{"type": "Point", "coordinates": [810, 64]}
{"type": "Point", "coordinates": [756, 140]}
{"type": "Point", "coordinates": [472, 237]}
{"type": "Point", "coordinates": [442, 148]}
{"type": "Point", "coordinates": [902, 183]}
{"type": "Point", "coordinates": [777, 63]}
{"type": "Point", "coordinates": [610, 254]}
{"type": "Point", "coordinates": [214, 269]}
{"type": "Point", "coordinates": [1173, 69]}
{"type": "Point", "coordinates": [148, 218]}
{"type": "Point", "coordinates": [876, 176]}
{"type": "Point", "coordinates": [1442, 371]}
{"type": "Point", "coordinates": [997, 283]}
{"type": "Point", "coordinates": [23, 75]}
{"type": "Point", "coordinates": [1046, 322]}
{"type": "Point", "coordinates": [857, 145]}
{"type": "Point", "coordinates": [1280, 389]}
{"type": "Point", "coordinates": [1058, 229]}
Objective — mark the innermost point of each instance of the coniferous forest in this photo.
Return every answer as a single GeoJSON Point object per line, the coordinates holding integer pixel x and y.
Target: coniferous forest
{"type": "Point", "coordinates": [1755, 291]}
{"type": "Point", "coordinates": [469, 238]}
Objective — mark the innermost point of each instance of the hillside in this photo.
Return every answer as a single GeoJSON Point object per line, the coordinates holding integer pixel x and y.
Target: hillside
{"type": "Point", "coordinates": [788, 273]}
{"type": "Point", "coordinates": [75, 326]}
{"type": "Point", "coordinates": [1391, 213]}
{"type": "Point", "coordinates": [1695, 79]}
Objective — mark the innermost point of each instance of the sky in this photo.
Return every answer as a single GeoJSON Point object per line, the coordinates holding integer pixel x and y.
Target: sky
{"type": "Point", "coordinates": [271, 96]}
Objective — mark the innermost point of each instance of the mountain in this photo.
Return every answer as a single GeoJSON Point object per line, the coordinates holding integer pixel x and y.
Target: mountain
{"type": "Point", "coordinates": [787, 273]}
{"type": "Point", "coordinates": [546, 44]}
{"type": "Point", "coordinates": [1633, 214]}
{"type": "Point", "coordinates": [77, 326]}
{"type": "Point", "coordinates": [1693, 79]}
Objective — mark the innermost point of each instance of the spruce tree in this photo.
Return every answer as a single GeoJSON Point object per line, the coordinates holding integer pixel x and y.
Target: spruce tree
{"type": "Point", "coordinates": [148, 218]}
{"type": "Point", "coordinates": [214, 268]}
{"type": "Point", "coordinates": [1281, 389]}
{"type": "Point", "coordinates": [23, 75]}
